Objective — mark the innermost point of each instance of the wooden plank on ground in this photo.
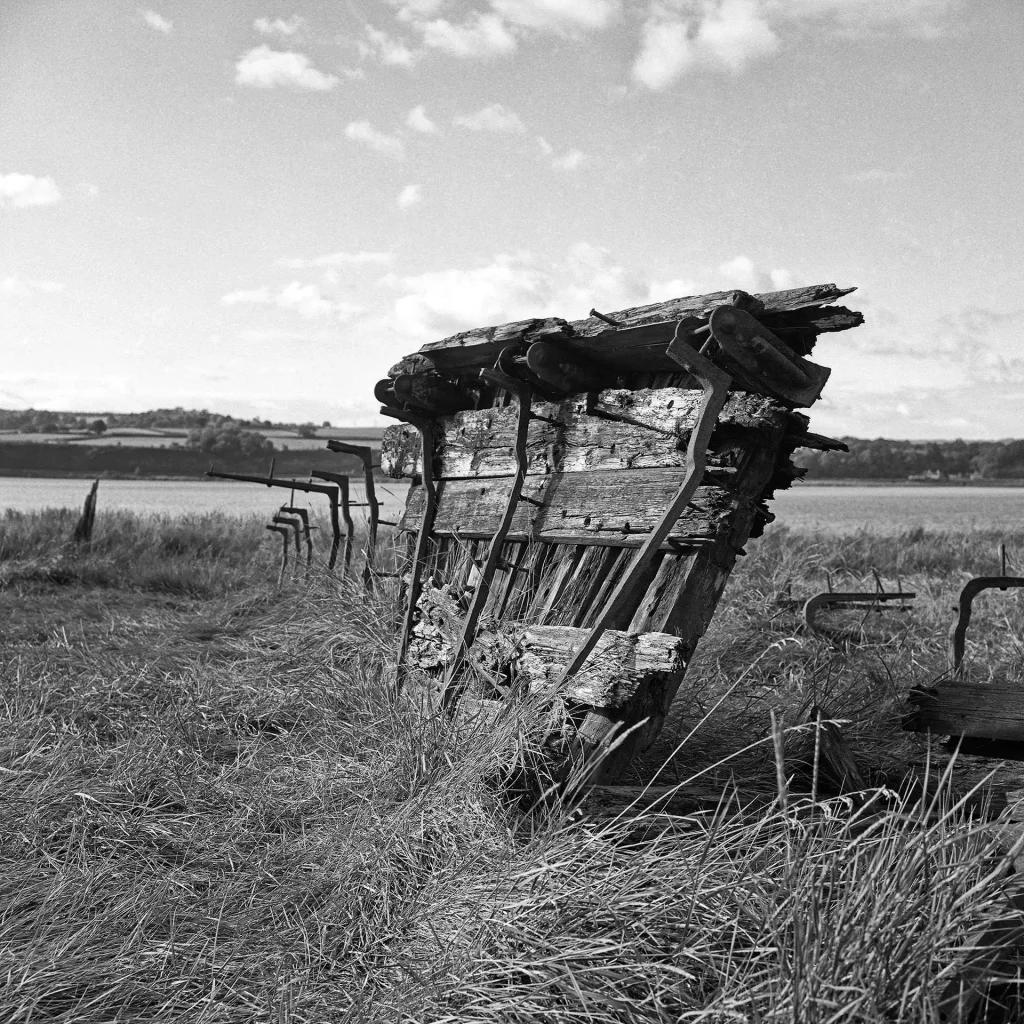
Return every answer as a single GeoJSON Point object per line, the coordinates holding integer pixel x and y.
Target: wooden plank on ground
{"type": "Point", "coordinates": [604, 507]}
{"type": "Point", "coordinates": [976, 710]}
{"type": "Point", "coordinates": [629, 430]}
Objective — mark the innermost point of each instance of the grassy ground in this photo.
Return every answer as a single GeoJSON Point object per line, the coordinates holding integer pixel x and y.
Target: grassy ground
{"type": "Point", "coordinates": [212, 808]}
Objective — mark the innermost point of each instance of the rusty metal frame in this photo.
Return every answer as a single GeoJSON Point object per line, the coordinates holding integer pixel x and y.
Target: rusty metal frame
{"type": "Point", "coordinates": [524, 395]}
{"type": "Point", "coordinates": [303, 515]}
{"type": "Point", "coordinates": [346, 508]}
{"type": "Point", "coordinates": [365, 454]}
{"type": "Point", "coordinates": [295, 485]}
{"type": "Point", "coordinates": [715, 384]}
{"type": "Point", "coordinates": [970, 591]}
{"type": "Point", "coordinates": [425, 426]}
{"type": "Point", "coordinates": [848, 599]}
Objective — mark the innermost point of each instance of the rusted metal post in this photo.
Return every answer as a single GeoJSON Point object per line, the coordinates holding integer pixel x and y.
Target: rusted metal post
{"type": "Point", "coordinates": [365, 454]}
{"type": "Point", "coordinates": [331, 494]}
{"type": "Point", "coordinates": [426, 428]}
{"type": "Point", "coordinates": [303, 515]}
{"type": "Point", "coordinates": [523, 394]}
{"type": "Point", "coordinates": [342, 481]}
{"type": "Point", "coordinates": [293, 525]}
{"type": "Point", "coordinates": [83, 528]}
{"type": "Point", "coordinates": [283, 530]}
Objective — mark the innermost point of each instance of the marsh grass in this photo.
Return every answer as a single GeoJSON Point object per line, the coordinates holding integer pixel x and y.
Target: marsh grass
{"type": "Point", "coordinates": [214, 808]}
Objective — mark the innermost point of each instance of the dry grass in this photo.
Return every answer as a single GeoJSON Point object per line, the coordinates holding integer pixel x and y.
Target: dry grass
{"type": "Point", "coordinates": [213, 808]}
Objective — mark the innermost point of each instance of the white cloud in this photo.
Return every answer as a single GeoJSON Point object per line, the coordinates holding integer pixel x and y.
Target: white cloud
{"type": "Point", "coordinates": [17, 287]}
{"type": "Point", "coordinates": [442, 302]}
{"type": "Point", "coordinates": [279, 26]}
{"type": "Point", "coordinates": [264, 68]}
{"type": "Point", "coordinates": [559, 16]}
{"type": "Point", "coordinates": [479, 36]}
{"type": "Point", "coordinates": [512, 287]}
{"type": "Point", "coordinates": [21, 190]}
{"type": "Point", "coordinates": [677, 288]}
{"type": "Point", "coordinates": [296, 297]}
{"type": "Point", "coordinates": [385, 48]}
{"type": "Point", "coordinates": [723, 35]}
{"type": "Point", "coordinates": [364, 132]}
{"type": "Point", "coordinates": [155, 21]}
{"type": "Point", "coordinates": [740, 272]}
{"type": "Point", "coordinates": [306, 300]}
{"type": "Point", "coordinates": [257, 295]}
{"type": "Point", "coordinates": [493, 118]}
{"type": "Point", "coordinates": [340, 259]}
{"type": "Point", "coordinates": [418, 121]}
{"type": "Point", "coordinates": [410, 196]}
{"type": "Point", "coordinates": [570, 162]}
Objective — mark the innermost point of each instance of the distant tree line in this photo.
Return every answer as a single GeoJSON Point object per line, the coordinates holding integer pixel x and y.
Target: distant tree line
{"type": "Point", "coordinates": [44, 421]}
{"type": "Point", "coordinates": [883, 459]}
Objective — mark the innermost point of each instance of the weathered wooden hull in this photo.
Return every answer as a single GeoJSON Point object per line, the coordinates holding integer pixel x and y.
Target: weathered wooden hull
{"type": "Point", "coordinates": [601, 467]}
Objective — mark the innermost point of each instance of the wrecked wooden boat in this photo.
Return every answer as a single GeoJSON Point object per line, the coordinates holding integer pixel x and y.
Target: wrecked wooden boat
{"type": "Point", "coordinates": [581, 491]}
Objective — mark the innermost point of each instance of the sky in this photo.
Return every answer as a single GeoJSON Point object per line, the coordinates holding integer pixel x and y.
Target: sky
{"type": "Point", "coordinates": [257, 207]}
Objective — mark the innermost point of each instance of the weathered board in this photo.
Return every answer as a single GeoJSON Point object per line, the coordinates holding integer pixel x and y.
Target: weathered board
{"type": "Point", "coordinates": [991, 711]}
{"type": "Point", "coordinates": [601, 505]}
{"type": "Point", "coordinates": [574, 436]}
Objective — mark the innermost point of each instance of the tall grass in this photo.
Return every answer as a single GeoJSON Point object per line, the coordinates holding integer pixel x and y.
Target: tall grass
{"type": "Point", "coordinates": [197, 555]}
{"type": "Point", "coordinates": [245, 823]}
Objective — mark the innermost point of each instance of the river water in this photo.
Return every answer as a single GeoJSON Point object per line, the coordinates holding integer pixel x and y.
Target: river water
{"type": "Point", "coordinates": [839, 508]}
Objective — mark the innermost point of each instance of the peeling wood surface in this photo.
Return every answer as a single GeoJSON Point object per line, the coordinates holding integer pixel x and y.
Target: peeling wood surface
{"type": "Point", "coordinates": [619, 664]}
{"type": "Point", "coordinates": [599, 504]}
{"type": "Point", "coordinates": [975, 710]}
{"type": "Point", "coordinates": [640, 344]}
{"type": "Point", "coordinates": [625, 430]}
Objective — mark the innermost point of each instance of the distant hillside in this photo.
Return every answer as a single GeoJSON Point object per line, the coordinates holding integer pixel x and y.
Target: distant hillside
{"type": "Point", "coordinates": [72, 444]}
{"type": "Point", "coordinates": [45, 421]}
{"type": "Point", "coordinates": [883, 459]}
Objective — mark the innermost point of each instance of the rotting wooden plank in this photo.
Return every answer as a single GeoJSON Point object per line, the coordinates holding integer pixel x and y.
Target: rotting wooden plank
{"type": "Point", "coordinates": [611, 674]}
{"type": "Point", "coordinates": [632, 345]}
{"type": "Point", "coordinates": [563, 563]}
{"type": "Point", "coordinates": [974, 710]}
{"type": "Point", "coordinates": [624, 430]}
{"type": "Point", "coordinates": [613, 507]}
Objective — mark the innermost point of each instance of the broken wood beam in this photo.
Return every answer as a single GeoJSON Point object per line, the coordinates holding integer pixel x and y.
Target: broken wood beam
{"type": "Point", "coordinates": [620, 663]}
{"type": "Point", "coordinates": [574, 435]}
{"type": "Point", "coordinates": [638, 346]}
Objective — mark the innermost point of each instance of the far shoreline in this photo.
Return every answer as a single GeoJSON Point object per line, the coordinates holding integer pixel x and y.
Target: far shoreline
{"type": "Point", "coordinates": [897, 482]}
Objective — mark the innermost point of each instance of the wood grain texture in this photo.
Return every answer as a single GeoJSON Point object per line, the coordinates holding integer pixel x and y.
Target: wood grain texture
{"type": "Point", "coordinates": [624, 430]}
{"type": "Point", "coordinates": [604, 507]}
{"type": "Point", "coordinates": [612, 673]}
{"type": "Point", "coordinates": [975, 710]}
{"type": "Point", "coordinates": [640, 342]}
